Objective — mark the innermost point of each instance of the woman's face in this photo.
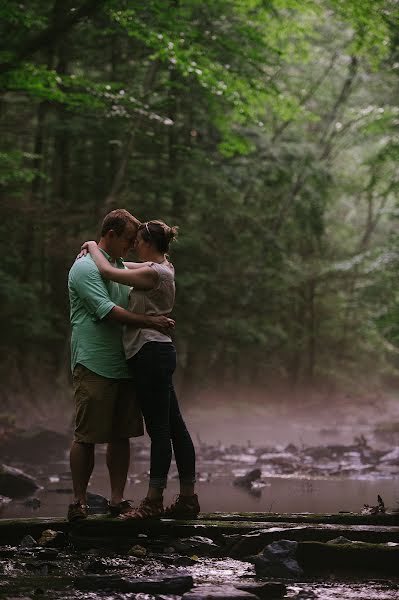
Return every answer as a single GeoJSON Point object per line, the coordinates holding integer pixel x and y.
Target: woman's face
{"type": "Point", "coordinates": [141, 246]}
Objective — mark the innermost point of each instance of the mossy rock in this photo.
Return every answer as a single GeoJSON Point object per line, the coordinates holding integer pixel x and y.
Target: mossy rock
{"type": "Point", "coordinates": [364, 557]}
{"type": "Point", "coordinates": [347, 518]}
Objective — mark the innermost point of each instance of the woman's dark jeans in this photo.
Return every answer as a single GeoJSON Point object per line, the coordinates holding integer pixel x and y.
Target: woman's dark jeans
{"type": "Point", "coordinates": [152, 368]}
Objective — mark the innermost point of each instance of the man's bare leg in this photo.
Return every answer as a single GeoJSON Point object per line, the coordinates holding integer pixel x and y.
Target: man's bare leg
{"type": "Point", "coordinates": [118, 459]}
{"type": "Point", "coordinates": [82, 464]}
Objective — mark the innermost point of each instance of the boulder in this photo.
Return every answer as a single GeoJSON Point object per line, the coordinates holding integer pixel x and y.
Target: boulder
{"type": "Point", "coordinates": [14, 483]}
{"type": "Point", "coordinates": [278, 560]}
{"type": "Point", "coordinates": [196, 544]}
{"type": "Point", "coordinates": [248, 479]}
{"type": "Point", "coordinates": [265, 590]}
{"type": "Point", "coordinates": [34, 446]}
{"type": "Point", "coordinates": [53, 539]}
{"type": "Point", "coordinates": [98, 505]}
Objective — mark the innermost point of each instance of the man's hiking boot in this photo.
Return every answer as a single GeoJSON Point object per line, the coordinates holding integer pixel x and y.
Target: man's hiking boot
{"type": "Point", "coordinates": [184, 507]}
{"type": "Point", "coordinates": [148, 509]}
{"type": "Point", "coordinates": [77, 511]}
{"type": "Point", "coordinates": [114, 510]}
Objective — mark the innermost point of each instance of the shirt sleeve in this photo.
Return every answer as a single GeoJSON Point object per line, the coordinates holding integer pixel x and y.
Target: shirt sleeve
{"type": "Point", "coordinates": [92, 291]}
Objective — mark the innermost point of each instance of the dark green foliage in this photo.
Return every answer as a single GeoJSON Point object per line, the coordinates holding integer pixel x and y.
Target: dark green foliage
{"type": "Point", "coordinates": [266, 131]}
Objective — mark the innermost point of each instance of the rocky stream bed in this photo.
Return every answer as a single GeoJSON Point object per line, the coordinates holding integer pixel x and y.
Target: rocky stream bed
{"type": "Point", "coordinates": [257, 553]}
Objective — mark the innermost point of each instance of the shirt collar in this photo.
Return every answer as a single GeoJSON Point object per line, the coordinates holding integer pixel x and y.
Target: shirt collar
{"type": "Point", "coordinates": [118, 261]}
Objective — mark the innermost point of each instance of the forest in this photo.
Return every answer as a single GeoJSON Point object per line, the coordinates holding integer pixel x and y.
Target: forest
{"type": "Point", "coordinates": [267, 130]}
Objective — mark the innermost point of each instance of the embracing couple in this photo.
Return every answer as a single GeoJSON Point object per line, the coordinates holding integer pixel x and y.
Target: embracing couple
{"type": "Point", "coordinates": [123, 361]}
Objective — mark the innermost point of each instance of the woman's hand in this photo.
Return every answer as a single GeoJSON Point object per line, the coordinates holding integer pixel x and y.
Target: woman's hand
{"type": "Point", "coordinates": [89, 245]}
{"type": "Point", "coordinates": [85, 248]}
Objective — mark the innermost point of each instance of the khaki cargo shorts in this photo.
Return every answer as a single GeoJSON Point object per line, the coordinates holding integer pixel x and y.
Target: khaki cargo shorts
{"type": "Point", "coordinates": [106, 409]}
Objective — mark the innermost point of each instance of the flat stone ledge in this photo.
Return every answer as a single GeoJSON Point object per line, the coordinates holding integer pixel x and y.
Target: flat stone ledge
{"type": "Point", "coordinates": [98, 529]}
{"type": "Point", "coordinates": [347, 518]}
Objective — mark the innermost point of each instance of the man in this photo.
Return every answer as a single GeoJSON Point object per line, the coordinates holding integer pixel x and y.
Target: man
{"type": "Point", "coordinates": [104, 399]}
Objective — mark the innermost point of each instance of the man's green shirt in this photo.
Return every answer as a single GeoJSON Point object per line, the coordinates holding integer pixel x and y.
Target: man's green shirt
{"type": "Point", "coordinates": [96, 343]}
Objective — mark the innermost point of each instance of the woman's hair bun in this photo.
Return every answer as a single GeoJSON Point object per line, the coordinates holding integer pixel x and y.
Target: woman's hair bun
{"type": "Point", "coordinates": [171, 233]}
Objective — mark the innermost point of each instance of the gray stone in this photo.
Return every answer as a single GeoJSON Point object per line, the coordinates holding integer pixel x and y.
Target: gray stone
{"type": "Point", "coordinates": [340, 540]}
{"type": "Point", "coordinates": [266, 590]}
{"type": "Point", "coordinates": [218, 592]}
{"type": "Point", "coordinates": [34, 446]}
{"type": "Point", "coordinates": [98, 505]}
{"type": "Point", "coordinates": [248, 479]}
{"type": "Point", "coordinates": [195, 544]}
{"type": "Point", "coordinates": [53, 539]}
{"type": "Point", "coordinates": [278, 560]}
{"type": "Point", "coordinates": [28, 541]}
{"type": "Point", "coordinates": [14, 483]}
{"type": "Point", "coordinates": [167, 582]}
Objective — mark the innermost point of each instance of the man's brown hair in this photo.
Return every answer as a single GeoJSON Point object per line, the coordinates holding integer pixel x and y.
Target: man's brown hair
{"type": "Point", "coordinates": [117, 220]}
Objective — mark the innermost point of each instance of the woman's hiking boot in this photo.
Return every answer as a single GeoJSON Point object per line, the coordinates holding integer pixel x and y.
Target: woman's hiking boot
{"type": "Point", "coordinates": [184, 507]}
{"type": "Point", "coordinates": [148, 509]}
{"type": "Point", "coordinates": [123, 507]}
{"type": "Point", "coordinates": [77, 511]}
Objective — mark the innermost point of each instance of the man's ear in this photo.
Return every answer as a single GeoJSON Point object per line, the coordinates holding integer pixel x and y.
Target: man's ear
{"type": "Point", "coordinates": [111, 233]}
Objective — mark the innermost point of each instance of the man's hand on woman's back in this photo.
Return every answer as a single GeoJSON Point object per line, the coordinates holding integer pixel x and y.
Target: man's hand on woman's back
{"type": "Point", "coordinates": [162, 323]}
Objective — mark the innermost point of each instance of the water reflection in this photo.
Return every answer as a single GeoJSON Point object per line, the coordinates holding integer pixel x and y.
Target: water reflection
{"type": "Point", "coordinates": [275, 494]}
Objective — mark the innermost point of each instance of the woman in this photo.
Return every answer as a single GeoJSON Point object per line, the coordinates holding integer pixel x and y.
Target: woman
{"type": "Point", "coordinates": [151, 356]}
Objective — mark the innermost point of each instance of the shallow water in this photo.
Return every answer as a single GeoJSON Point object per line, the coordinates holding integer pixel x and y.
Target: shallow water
{"type": "Point", "coordinates": [275, 494]}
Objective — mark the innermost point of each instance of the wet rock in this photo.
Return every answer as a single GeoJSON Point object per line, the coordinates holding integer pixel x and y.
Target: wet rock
{"type": "Point", "coordinates": [244, 545]}
{"type": "Point", "coordinates": [53, 539]}
{"type": "Point", "coordinates": [101, 565]}
{"type": "Point", "coordinates": [47, 553]}
{"type": "Point", "coordinates": [28, 542]}
{"type": "Point", "coordinates": [14, 483]}
{"type": "Point", "coordinates": [266, 590]}
{"type": "Point", "coordinates": [197, 544]}
{"type": "Point", "coordinates": [248, 479]}
{"type": "Point", "coordinates": [339, 540]}
{"type": "Point", "coordinates": [374, 510]}
{"type": "Point", "coordinates": [138, 551]}
{"type": "Point", "coordinates": [34, 446]}
{"type": "Point", "coordinates": [96, 566]}
{"type": "Point", "coordinates": [98, 505]}
{"type": "Point", "coordinates": [219, 592]}
{"type": "Point", "coordinates": [33, 503]}
{"type": "Point", "coordinates": [182, 561]}
{"type": "Point", "coordinates": [278, 560]}
{"type": "Point", "coordinates": [166, 582]}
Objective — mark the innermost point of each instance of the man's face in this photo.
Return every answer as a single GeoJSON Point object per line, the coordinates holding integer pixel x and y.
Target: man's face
{"type": "Point", "coordinates": [123, 243]}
